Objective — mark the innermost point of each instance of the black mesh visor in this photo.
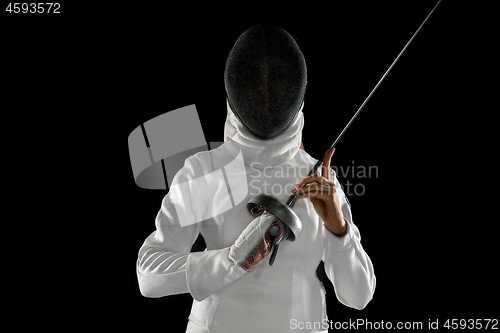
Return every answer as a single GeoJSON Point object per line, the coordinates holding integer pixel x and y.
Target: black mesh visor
{"type": "Point", "coordinates": [265, 79]}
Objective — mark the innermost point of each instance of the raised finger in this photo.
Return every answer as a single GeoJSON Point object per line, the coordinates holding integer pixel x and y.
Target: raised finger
{"type": "Point", "coordinates": [325, 167]}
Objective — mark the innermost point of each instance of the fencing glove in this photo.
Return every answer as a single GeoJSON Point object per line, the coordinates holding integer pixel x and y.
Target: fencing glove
{"type": "Point", "coordinates": [257, 241]}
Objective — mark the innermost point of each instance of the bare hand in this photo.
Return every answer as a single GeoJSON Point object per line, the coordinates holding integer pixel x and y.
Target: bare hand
{"type": "Point", "coordinates": [321, 191]}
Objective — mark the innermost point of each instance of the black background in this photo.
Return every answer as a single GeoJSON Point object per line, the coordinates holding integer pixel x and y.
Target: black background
{"type": "Point", "coordinates": [78, 83]}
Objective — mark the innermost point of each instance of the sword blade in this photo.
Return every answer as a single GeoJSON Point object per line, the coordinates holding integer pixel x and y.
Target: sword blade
{"type": "Point", "coordinates": [291, 201]}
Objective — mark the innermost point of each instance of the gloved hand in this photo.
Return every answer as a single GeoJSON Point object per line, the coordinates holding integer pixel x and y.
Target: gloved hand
{"type": "Point", "coordinates": [258, 240]}
{"type": "Point", "coordinates": [209, 271]}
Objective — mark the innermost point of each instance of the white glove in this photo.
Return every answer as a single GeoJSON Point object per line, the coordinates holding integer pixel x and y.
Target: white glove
{"type": "Point", "coordinates": [209, 271]}
{"type": "Point", "coordinates": [257, 241]}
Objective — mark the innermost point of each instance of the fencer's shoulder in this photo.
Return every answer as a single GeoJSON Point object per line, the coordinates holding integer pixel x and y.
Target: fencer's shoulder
{"type": "Point", "coordinates": [199, 165]}
{"type": "Point", "coordinates": [208, 161]}
{"type": "Point", "coordinates": [306, 158]}
{"type": "Point", "coordinates": [200, 162]}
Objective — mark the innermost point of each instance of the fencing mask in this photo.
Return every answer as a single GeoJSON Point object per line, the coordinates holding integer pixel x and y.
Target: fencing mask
{"type": "Point", "coordinates": [265, 79]}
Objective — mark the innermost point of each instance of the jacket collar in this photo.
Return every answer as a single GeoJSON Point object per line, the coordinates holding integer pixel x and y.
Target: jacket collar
{"type": "Point", "coordinates": [258, 152]}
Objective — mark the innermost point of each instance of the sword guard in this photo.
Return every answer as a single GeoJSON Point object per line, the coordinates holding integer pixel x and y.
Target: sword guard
{"type": "Point", "coordinates": [257, 204]}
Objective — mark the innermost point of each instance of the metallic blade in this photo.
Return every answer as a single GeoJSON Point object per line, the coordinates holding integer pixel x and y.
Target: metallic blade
{"type": "Point", "coordinates": [291, 201]}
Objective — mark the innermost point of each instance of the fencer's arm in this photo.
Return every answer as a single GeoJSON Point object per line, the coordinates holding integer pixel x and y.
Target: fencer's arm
{"type": "Point", "coordinates": [165, 265]}
{"type": "Point", "coordinates": [346, 263]}
{"type": "Point", "coordinates": [161, 263]}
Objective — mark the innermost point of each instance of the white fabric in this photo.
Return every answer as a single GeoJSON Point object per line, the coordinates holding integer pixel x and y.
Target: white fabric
{"type": "Point", "coordinates": [250, 237]}
{"type": "Point", "coordinates": [258, 152]}
{"type": "Point", "coordinates": [226, 297]}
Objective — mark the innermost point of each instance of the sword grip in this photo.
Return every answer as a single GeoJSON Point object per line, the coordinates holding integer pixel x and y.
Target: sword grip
{"type": "Point", "coordinates": [274, 254]}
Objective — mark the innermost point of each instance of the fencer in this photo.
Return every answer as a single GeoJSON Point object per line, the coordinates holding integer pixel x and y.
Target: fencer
{"type": "Point", "coordinates": [233, 287]}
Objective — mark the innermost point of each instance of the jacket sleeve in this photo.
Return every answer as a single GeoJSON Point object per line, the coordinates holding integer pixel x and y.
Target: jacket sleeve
{"type": "Point", "coordinates": [346, 263]}
{"type": "Point", "coordinates": [165, 265]}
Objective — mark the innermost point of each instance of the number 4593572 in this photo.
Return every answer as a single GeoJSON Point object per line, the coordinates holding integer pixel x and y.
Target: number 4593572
{"type": "Point", "coordinates": [43, 7]}
{"type": "Point", "coordinates": [471, 324]}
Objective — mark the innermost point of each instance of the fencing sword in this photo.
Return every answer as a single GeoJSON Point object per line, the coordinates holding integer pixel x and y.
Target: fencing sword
{"type": "Point", "coordinates": [284, 212]}
{"type": "Point", "coordinates": [291, 201]}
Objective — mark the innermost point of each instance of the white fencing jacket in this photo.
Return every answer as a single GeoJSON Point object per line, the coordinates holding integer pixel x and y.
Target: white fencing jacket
{"type": "Point", "coordinates": [275, 298]}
